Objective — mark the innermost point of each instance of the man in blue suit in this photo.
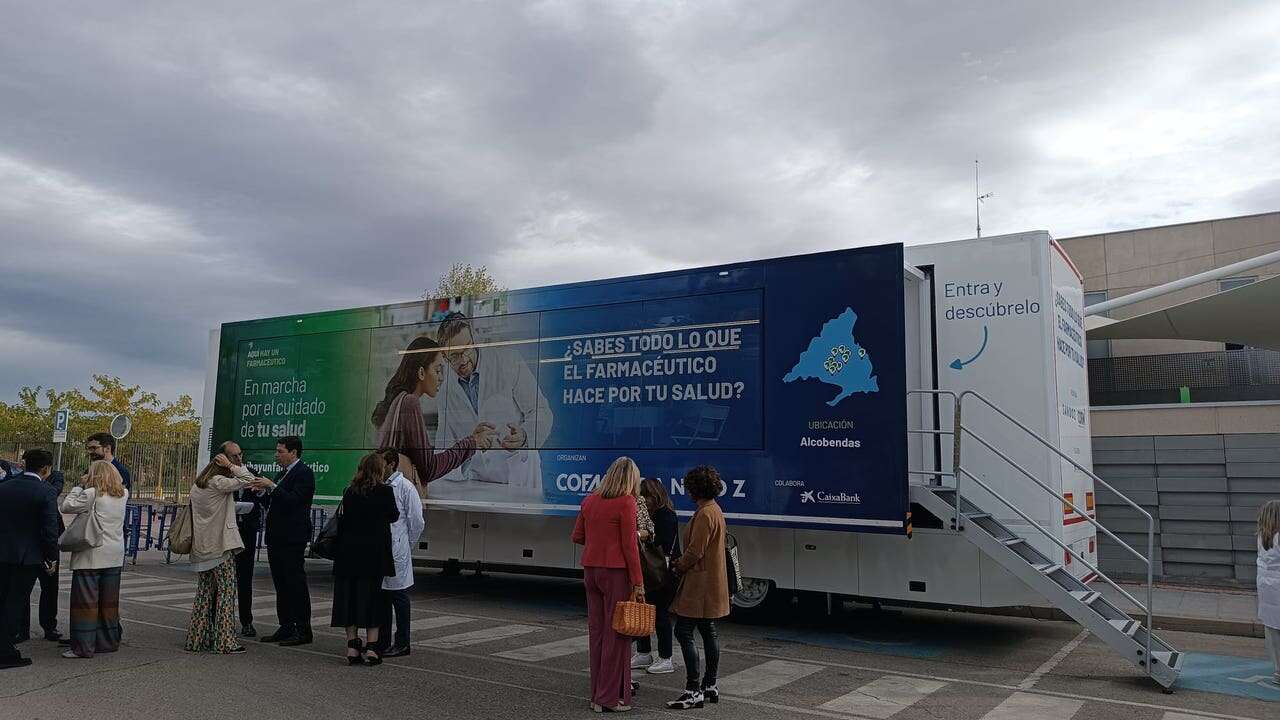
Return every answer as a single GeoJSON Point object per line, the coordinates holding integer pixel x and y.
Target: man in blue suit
{"type": "Point", "coordinates": [28, 544]}
{"type": "Point", "coordinates": [288, 531]}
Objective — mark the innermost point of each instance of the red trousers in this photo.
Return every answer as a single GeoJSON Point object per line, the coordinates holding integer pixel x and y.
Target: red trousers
{"type": "Point", "coordinates": [610, 652]}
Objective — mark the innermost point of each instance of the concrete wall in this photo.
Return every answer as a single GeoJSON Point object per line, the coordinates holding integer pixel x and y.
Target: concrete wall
{"type": "Point", "coordinates": [1202, 473]}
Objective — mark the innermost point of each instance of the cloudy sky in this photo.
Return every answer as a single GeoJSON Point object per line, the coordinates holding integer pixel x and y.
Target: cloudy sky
{"type": "Point", "coordinates": [165, 167]}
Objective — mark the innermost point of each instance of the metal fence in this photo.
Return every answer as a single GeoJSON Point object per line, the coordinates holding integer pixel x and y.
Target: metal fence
{"type": "Point", "coordinates": [161, 467]}
{"type": "Point", "coordinates": [1248, 374]}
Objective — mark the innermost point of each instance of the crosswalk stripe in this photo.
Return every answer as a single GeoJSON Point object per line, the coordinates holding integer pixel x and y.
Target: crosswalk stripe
{"type": "Point", "coordinates": [439, 621]}
{"type": "Point", "coordinates": [144, 579]}
{"type": "Point", "coordinates": [475, 637]}
{"type": "Point", "coordinates": [133, 586]}
{"type": "Point", "coordinates": [883, 697]}
{"type": "Point", "coordinates": [325, 605]}
{"type": "Point", "coordinates": [1171, 715]}
{"type": "Point", "coordinates": [149, 589]}
{"type": "Point", "coordinates": [765, 677]}
{"type": "Point", "coordinates": [169, 596]}
{"type": "Point", "coordinates": [546, 651]}
{"type": "Point", "coordinates": [264, 601]}
{"type": "Point", "coordinates": [1025, 706]}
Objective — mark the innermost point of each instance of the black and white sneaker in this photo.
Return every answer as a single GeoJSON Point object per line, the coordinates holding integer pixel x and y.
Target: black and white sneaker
{"type": "Point", "coordinates": [688, 699]}
{"type": "Point", "coordinates": [711, 694]}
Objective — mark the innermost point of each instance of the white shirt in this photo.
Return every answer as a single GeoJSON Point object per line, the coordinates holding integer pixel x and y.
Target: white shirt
{"type": "Point", "coordinates": [1269, 583]}
{"type": "Point", "coordinates": [405, 531]}
{"type": "Point", "coordinates": [508, 393]}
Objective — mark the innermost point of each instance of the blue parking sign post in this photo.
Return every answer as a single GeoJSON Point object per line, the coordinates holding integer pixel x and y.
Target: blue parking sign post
{"type": "Point", "coordinates": [61, 419]}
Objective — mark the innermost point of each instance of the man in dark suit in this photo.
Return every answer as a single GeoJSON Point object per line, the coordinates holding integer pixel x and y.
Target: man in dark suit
{"type": "Point", "coordinates": [48, 580]}
{"type": "Point", "coordinates": [288, 503]}
{"type": "Point", "coordinates": [28, 543]}
{"type": "Point", "coordinates": [248, 522]}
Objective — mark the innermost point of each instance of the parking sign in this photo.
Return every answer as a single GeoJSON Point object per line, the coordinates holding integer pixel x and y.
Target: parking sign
{"type": "Point", "coordinates": [60, 420]}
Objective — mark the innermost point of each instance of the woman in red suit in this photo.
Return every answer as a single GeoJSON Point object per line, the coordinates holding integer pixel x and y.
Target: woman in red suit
{"type": "Point", "coordinates": [606, 528]}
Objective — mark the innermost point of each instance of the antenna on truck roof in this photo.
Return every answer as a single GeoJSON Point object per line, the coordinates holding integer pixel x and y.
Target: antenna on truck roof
{"type": "Point", "coordinates": [978, 197]}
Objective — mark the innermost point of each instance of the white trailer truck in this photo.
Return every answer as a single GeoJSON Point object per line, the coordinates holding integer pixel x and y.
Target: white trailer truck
{"type": "Point", "coordinates": [903, 423]}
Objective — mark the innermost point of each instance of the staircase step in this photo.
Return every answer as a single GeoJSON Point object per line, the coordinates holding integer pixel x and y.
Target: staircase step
{"type": "Point", "coordinates": [1043, 567]}
{"type": "Point", "coordinates": [1086, 596]}
{"type": "Point", "coordinates": [1051, 569]}
{"type": "Point", "coordinates": [1128, 627]}
{"type": "Point", "coordinates": [1171, 660]}
{"type": "Point", "coordinates": [977, 515]}
{"type": "Point", "coordinates": [1012, 541]}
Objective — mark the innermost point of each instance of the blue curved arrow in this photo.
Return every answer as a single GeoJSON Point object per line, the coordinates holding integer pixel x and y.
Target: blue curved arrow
{"type": "Point", "coordinates": [959, 364]}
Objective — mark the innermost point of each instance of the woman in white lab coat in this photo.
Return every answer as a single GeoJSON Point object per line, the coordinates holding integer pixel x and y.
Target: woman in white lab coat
{"type": "Point", "coordinates": [1269, 580]}
{"type": "Point", "coordinates": [405, 532]}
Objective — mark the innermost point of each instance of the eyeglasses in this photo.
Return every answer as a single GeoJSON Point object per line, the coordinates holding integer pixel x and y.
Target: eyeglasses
{"type": "Point", "coordinates": [92, 447]}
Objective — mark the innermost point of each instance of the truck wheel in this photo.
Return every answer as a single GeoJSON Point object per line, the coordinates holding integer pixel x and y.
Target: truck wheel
{"type": "Point", "coordinates": [755, 601]}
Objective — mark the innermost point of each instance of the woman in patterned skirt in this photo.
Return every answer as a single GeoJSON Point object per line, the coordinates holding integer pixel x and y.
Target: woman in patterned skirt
{"type": "Point", "coordinates": [95, 573]}
{"type": "Point", "coordinates": [214, 544]}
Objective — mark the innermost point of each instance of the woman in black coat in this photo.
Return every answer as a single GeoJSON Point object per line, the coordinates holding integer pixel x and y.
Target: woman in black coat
{"type": "Point", "coordinates": [363, 557]}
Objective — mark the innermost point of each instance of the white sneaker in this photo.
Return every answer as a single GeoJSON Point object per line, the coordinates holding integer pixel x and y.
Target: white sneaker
{"type": "Point", "coordinates": [641, 660]}
{"type": "Point", "coordinates": [662, 667]}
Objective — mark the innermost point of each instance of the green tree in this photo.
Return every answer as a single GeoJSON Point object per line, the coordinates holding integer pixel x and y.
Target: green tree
{"type": "Point", "coordinates": [32, 415]}
{"type": "Point", "coordinates": [463, 279]}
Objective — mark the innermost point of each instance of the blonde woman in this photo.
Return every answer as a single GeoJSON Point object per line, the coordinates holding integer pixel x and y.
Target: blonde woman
{"type": "Point", "coordinates": [606, 527]}
{"type": "Point", "coordinates": [95, 573]}
{"type": "Point", "coordinates": [1269, 580]}
{"type": "Point", "coordinates": [215, 541]}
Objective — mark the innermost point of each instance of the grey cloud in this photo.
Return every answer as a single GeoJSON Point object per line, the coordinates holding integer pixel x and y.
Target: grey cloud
{"type": "Point", "coordinates": [177, 166]}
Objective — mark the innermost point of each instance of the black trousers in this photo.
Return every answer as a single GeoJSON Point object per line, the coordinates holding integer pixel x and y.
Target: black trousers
{"type": "Point", "coordinates": [245, 560]}
{"type": "Point", "coordinates": [48, 605]}
{"type": "Point", "coordinates": [16, 582]}
{"type": "Point", "coordinates": [661, 626]}
{"type": "Point", "coordinates": [289, 575]}
{"type": "Point", "coordinates": [396, 601]}
{"type": "Point", "coordinates": [710, 644]}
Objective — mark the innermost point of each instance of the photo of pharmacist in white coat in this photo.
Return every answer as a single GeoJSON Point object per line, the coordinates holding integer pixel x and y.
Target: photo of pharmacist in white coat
{"type": "Point", "coordinates": [493, 385]}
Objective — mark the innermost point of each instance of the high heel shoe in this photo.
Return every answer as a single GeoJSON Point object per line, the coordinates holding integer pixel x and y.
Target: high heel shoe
{"type": "Point", "coordinates": [371, 656]}
{"type": "Point", "coordinates": [358, 646]}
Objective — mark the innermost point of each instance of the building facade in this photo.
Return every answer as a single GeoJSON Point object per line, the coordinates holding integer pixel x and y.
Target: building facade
{"type": "Point", "coordinates": [1189, 430]}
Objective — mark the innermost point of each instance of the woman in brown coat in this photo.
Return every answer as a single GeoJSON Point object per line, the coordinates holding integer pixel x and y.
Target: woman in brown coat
{"type": "Point", "coordinates": [704, 588]}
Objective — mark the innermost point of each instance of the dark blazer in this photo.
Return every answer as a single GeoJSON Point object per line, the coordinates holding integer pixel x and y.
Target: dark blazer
{"type": "Point", "coordinates": [364, 534]}
{"type": "Point", "coordinates": [28, 521]}
{"type": "Point", "coordinates": [58, 482]}
{"type": "Point", "coordinates": [289, 506]}
{"type": "Point", "coordinates": [666, 533]}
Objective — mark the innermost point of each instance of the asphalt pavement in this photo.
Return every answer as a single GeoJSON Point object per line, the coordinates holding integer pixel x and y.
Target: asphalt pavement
{"type": "Point", "coordinates": [507, 646]}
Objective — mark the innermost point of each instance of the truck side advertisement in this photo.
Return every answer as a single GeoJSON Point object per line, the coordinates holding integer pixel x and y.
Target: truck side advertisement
{"type": "Point", "coordinates": [788, 375]}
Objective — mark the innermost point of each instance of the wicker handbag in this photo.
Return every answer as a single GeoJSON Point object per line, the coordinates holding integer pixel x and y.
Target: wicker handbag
{"type": "Point", "coordinates": [632, 618]}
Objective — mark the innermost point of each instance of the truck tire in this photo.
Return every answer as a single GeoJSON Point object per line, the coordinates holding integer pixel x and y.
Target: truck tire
{"type": "Point", "coordinates": [757, 601]}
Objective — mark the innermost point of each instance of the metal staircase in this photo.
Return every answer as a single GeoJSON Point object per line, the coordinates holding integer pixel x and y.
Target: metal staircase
{"type": "Point", "coordinates": [1130, 638]}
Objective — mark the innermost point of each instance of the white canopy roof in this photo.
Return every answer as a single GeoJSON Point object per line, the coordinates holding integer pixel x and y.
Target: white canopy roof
{"type": "Point", "coordinates": [1248, 315]}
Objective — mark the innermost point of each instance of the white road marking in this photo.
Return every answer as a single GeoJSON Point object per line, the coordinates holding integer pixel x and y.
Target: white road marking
{"type": "Point", "coordinates": [765, 677]}
{"type": "Point", "coordinates": [547, 651]}
{"type": "Point", "coordinates": [169, 596]}
{"type": "Point", "coordinates": [884, 696]}
{"type": "Point", "coordinates": [1182, 716]}
{"type": "Point", "coordinates": [1026, 706]}
{"type": "Point", "coordinates": [475, 637]}
{"type": "Point", "coordinates": [1053, 662]}
{"type": "Point", "coordinates": [746, 701]}
{"type": "Point", "coordinates": [438, 621]}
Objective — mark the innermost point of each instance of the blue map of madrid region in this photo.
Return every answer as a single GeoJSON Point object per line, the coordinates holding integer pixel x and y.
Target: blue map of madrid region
{"type": "Point", "coordinates": [834, 357]}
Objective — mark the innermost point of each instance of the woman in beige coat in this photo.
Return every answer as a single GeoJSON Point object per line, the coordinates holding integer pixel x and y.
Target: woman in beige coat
{"type": "Point", "coordinates": [214, 544]}
{"type": "Point", "coordinates": [703, 596]}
